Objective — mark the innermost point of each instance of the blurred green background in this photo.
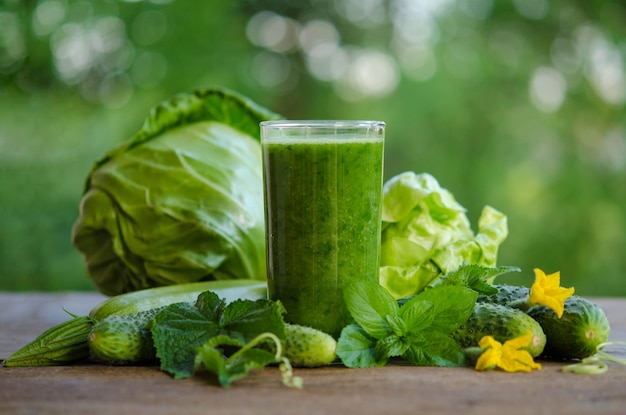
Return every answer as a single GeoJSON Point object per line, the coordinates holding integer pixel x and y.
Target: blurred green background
{"type": "Point", "coordinates": [518, 104]}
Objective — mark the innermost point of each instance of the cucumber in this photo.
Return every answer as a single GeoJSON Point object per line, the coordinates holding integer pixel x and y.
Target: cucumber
{"type": "Point", "coordinates": [61, 344]}
{"type": "Point", "coordinates": [124, 339]}
{"type": "Point", "coordinates": [503, 323]}
{"type": "Point", "coordinates": [514, 296]}
{"type": "Point", "coordinates": [579, 331]}
{"type": "Point", "coordinates": [68, 342]}
{"type": "Point", "coordinates": [142, 300]}
{"type": "Point", "coordinates": [308, 347]}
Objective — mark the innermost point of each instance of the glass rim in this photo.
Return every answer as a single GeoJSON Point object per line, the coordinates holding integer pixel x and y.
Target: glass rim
{"type": "Point", "coordinates": [323, 124]}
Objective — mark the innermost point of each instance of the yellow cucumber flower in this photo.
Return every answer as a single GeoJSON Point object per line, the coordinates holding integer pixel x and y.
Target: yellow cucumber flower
{"type": "Point", "coordinates": [546, 290]}
{"type": "Point", "coordinates": [510, 357]}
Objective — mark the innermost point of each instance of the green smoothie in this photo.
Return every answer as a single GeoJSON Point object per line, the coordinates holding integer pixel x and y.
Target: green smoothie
{"type": "Point", "coordinates": [323, 198]}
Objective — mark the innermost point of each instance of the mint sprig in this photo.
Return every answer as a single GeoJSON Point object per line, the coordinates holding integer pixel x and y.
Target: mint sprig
{"type": "Point", "coordinates": [418, 331]}
{"type": "Point", "coordinates": [222, 338]}
{"type": "Point", "coordinates": [477, 277]}
{"type": "Point", "coordinates": [239, 364]}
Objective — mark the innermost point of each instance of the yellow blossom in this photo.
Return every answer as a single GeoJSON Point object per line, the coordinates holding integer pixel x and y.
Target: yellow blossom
{"type": "Point", "coordinates": [546, 290]}
{"type": "Point", "coordinates": [510, 357]}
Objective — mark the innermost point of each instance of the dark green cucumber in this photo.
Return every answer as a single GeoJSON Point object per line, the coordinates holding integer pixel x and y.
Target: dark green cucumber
{"type": "Point", "coordinates": [514, 296]}
{"type": "Point", "coordinates": [62, 344]}
{"type": "Point", "coordinates": [579, 331]}
{"type": "Point", "coordinates": [502, 323]}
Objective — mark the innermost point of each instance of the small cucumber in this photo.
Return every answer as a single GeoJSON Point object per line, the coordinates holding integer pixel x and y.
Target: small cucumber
{"type": "Point", "coordinates": [124, 339]}
{"type": "Point", "coordinates": [62, 344]}
{"type": "Point", "coordinates": [579, 331]}
{"type": "Point", "coordinates": [503, 323]}
{"type": "Point", "coordinates": [514, 296]}
{"type": "Point", "coordinates": [308, 347]}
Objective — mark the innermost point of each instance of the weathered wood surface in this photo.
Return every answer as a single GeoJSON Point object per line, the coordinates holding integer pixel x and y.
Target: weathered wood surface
{"type": "Point", "coordinates": [100, 389]}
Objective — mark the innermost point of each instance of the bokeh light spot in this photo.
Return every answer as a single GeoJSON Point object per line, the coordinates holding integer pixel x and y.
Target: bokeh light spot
{"type": "Point", "coordinates": [12, 45]}
{"type": "Point", "coordinates": [47, 16]}
{"type": "Point", "coordinates": [270, 69]}
{"type": "Point", "coordinates": [547, 89]}
{"type": "Point", "coordinates": [149, 69]}
{"type": "Point", "coordinates": [149, 27]}
{"type": "Point", "coordinates": [532, 9]}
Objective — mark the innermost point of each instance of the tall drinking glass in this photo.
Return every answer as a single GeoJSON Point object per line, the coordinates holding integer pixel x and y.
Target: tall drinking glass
{"type": "Point", "coordinates": [323, 185]}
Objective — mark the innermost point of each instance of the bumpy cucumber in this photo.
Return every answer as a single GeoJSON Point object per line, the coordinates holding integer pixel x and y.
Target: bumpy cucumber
{"type": "Point", "coordinates": [514, 296]}
{"type": "Point", "coordinates": [503, 323]}
{"type": "Point", "coordinates": [576, 335]}
{"type": "Point", "coordinates": [122, 339]}
{"type": "Point", "coordinates": [61, 344]}
{"type": "Point", "coordinates": [308, 347]}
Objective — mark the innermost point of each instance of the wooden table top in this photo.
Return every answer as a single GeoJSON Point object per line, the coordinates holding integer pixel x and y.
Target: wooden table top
{"type": "Point", "coordinates": [395, 389]}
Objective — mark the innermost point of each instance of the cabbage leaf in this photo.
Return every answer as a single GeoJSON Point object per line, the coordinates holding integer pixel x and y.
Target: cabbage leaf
{"type": "Point", "coordinates": [181, 201]}
{"type": "Point", "coordinates": [426, 234]}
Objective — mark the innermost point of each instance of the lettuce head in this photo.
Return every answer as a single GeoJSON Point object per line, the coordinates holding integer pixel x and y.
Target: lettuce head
{"type": "Point", "coordinates": [426, 234]}
{"type": "Point", "coordinates": [181, 201]}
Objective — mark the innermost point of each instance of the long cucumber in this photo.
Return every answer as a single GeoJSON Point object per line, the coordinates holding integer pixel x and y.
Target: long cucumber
{"type": "Point", "coordinates": [68, 342]}
{"type": "Point", "coordinates": [61, 344]}
{"type": "Point", "coordinates": [143, 300]}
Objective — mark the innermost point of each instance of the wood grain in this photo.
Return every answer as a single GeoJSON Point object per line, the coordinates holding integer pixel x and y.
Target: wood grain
{"type": "Point", "coordinates": [396, 389]}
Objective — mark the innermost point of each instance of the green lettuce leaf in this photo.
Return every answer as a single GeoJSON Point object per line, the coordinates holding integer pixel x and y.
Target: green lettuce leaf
{"type": "Point", "coordinates": [182, 201]}
{"type": "Point", "coordinates": [426, 234]}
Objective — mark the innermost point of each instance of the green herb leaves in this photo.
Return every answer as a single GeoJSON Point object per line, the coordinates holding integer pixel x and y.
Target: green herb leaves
{"type": "Point", "coordinates": [221, 338]}
{"type": "Point", "coordinates": [418, 331]}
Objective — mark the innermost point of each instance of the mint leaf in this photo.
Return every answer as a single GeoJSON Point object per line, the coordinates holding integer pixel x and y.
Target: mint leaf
{"type": "Point", "coordinates": [355, 348]}
{"type": "Point", "coordinates": [396, 324]}
{"type": "Point", "coordinates": [241, 364]}
{"type": "Point", "coordinates": [180, 330]}
{"type": "Point", "coordinates": [476, 277]}
{"type": "Point", "coordinates": [436, 349]}
{"type": "Point", "coordinates": [210, 305]}
{"type": "Point", "coordinates": [211, 358]}
{"type": "Point", "coordinates": [417, 314]}
{"type": "Point", "coordinates": [236, 367]}
{"type": "Point", "coordinates": [370, 304]}
{"type": "Point", "coordinates": [390, 346]}
{"type": "Point", "coordinates": [251, 318]}
{"type": "Point", "coordinates": [177, 331]}
{"type": "Point", "coordinates": [451, 307]}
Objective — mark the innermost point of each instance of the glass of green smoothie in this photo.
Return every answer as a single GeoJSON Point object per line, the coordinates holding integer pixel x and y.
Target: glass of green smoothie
{"type": "Point", "coordinates": [323, 184]}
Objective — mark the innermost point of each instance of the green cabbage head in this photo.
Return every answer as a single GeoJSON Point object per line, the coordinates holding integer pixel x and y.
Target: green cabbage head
{"type": "Point", "coordinates": [182, 201]}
